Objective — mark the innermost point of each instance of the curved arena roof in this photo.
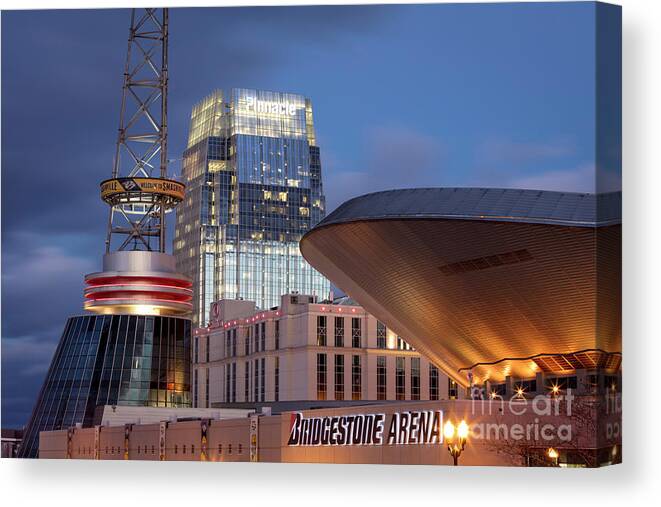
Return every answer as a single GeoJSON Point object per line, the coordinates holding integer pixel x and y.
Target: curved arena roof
{"type": "Point", "coordinates": [498, 281]}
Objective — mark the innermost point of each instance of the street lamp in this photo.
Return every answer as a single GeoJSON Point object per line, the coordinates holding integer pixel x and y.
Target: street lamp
{"type": "Point", "coordinates": [456, 438]}
{"type": "Point", "coordinates": [553, 455]}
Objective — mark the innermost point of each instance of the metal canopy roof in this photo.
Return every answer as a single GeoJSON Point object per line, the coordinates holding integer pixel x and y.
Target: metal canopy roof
{"type": "Point", "coordinates": [515, 205]}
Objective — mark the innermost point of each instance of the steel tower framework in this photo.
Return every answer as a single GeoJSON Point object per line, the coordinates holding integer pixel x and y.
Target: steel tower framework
{"type": "Point", "coordinates": [139, 193]}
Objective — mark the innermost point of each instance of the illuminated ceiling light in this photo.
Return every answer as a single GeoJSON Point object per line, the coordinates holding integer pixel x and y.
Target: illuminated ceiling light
{"type": "Point", "coordinates": [552, 453]}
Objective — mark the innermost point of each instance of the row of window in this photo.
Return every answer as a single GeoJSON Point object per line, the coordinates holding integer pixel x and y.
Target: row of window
{"type": "Point", "coordinates": [255, 370]}
{"type": "Point", "coordinates": [255, 339]}
{"type": "Point", "coordinates": [339, 333]}
{"type": "Point", "coordinates": [381, 378]}
{"type": "Point", "coordinates": [146, 450]}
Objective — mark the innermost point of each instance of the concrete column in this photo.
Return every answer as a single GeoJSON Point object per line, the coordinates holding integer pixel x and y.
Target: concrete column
{"type": "Point", "coordinates": [487, 390]}
{"type": "Point", "coordinates": [540, 380]}
{"type": "Point", "coordinates": [582, 382]}
{"type": "Point", "coordinates": [509, 387]}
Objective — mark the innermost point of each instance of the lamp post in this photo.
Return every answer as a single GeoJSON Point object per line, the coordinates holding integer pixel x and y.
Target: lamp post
{"type": "Point", "coordinates": [455, 437]}
{"type": "Point", "coordinates": [553, 455]}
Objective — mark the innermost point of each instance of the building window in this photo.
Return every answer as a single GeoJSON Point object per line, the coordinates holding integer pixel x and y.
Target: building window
{"type": "Point", "coordinates": [612, 383]}
{"type": "Point", "coordinates": [276, 379]}
{"type": "Point", "coordinates": [220, 448]}
{"type": "Point", "coordinates": [246, 346]}
{"type": "Point", "coordinates": [257, 337]}
{"type": "Point", "coordinates": [256, 381]}
{"type": "Point", "coordinates": [453, 390]}
{"type": "Point", "coordinates": [355, 332]}
{"type": "Point", "coordinates": [380, 335]}
{"type": "Point", "coordinates": [321, 330]}
{"type": "Point", "coordinates": [381, 378]}
{"type": "Point", "coordinates": [228, 339]}
{"type": "Point", "coordinates": [400, 378]}
{"type": "Point", "coordinates": [402, 345]}
{"type": "Point", "coordinates": [207, 349]}
{"type": "Point", "coordinates": [234, 343]}
{"type": "Point", "coordinates": [433, 382]}
{"type": "Point", "coordinates": [339, 377]}
{"type": "Point", "coordinates": [262, 389]}
{"type": "Point", "coordinates": [592, 383]}
{"type": "Point", "coordinates": [263, 330]}
{"type": "Point", "coordinates": [233, 383]}
{"type": "Point", "coordinates": [196, 353]}
{"type": "Point", "coordinates": [356, 378]}
{"type": "Point", "coordinates": [415, 378]}
{"type": "Point", "coordinates": [322, 370]}
{"type": "Point", "coordinates": [195, 388]}
{"type": "Point", "coordinates": [228, 382]}
{"type": "Point", "coordinates": [277, 334]}
{"type": "Point", "coordinates": [339, 331]}
{"type": "Point", "coordinates": [526, 387]}
{"type": "Point", "coordinates": [246, 382]}
{"type": "Point", "coordinates": [206, 387]}
{"type": "Point", "coordinates": [498, 390]}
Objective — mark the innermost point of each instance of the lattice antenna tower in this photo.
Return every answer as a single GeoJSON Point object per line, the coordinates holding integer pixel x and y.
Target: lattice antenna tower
{"type": "Point", "coordinates": [139, 193]}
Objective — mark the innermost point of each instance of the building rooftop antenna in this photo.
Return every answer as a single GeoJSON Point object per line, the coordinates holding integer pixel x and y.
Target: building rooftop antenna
{"type": "Point", "coordinates": [138, 276]}
{"type": "Point", "coordinates": [139, 192]}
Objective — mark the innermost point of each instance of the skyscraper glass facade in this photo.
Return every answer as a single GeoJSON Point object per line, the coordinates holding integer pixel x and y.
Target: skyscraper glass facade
{"type": "Point", "coordinates": [112, 360]}
{"type": "Point", "coordinates": [253, 187]}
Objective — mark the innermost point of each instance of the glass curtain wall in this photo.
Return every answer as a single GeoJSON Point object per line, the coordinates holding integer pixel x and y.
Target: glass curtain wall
{"type": "Point", "coordinates": [253, 181]}
{"type": "Point", "coordinates": [112, 360]}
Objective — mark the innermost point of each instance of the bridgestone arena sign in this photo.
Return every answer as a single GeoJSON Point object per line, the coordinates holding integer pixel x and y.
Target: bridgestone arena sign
{"type": "Point", "coordinates": [403, 428]}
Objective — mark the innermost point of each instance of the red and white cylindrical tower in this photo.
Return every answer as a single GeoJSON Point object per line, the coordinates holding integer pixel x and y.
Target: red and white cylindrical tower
{"type": "Point", "coordinates": [138, 282]}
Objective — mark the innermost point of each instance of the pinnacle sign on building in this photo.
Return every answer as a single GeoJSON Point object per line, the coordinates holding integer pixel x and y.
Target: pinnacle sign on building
{"type": "Point", "coordinates": [265, 106]}
{"type": "Point", "coordinates": [400, 428]}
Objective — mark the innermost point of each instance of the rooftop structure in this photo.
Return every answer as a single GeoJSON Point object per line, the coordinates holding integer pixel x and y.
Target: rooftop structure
{"type": "Point", "coordinates": [489, 284]}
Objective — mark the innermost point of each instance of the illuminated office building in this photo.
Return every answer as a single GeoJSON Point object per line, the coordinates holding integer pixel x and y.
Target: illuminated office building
{"type": "Point", "coordinates": [253, 187]}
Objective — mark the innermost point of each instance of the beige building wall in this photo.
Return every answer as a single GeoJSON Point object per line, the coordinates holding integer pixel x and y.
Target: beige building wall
{"type": "Point", "coordinates": [492, 439]}
{"type": "Point", "coordinates": [296, 353]}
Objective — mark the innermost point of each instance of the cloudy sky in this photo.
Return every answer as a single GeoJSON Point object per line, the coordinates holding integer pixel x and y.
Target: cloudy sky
{"type": "Point", "coordinates": [404, 96]}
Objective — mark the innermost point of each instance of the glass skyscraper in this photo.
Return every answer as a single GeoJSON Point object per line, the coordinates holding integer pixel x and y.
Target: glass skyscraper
{"type": "Point", "coordinates": [253, 187]}
{"type": "Point", "coordinates": [101, 360]}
